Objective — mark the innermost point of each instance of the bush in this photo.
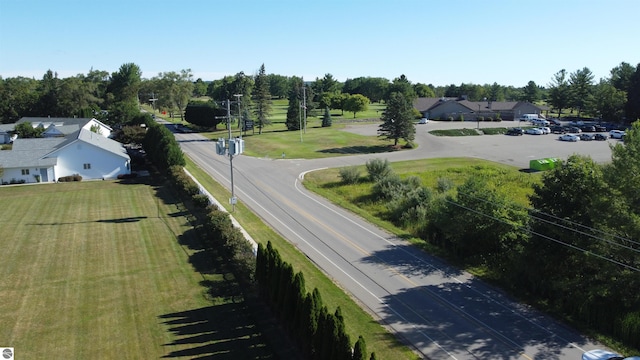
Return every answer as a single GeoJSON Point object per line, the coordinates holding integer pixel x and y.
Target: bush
{"type": "Point", "coordinates": [378, 169]}
{"type": "Point", "coordinates": [74, 177]}
{"type": "Point", "coordinates": [350, 175]}
{"type": "Point", "coordinates": [200, 200]}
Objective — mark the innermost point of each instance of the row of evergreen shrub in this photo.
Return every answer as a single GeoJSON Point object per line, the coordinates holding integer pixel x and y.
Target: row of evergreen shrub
{"type": "Point", "coordinates": [161, 147]}
{"type": "Point", "coordinates": [320, 333]}
{"type": "Point", "coordinates": [74, 177]}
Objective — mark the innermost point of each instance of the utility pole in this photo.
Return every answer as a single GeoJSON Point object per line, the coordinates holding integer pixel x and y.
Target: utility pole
{"type": "Point", "coordinates": [240, 123]}
{"type": "Point", "coordinates": [234, 147]}
{"type": "Point", "coordinates": [304, 106]}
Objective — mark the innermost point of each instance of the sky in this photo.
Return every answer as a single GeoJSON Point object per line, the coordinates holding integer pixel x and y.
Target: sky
{"type": "Point", "coordinates": [509, 42]}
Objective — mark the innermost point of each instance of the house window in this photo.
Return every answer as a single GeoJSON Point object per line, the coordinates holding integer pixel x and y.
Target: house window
{"type": "Point", "coordinates": [86, 166]}
{"type": "Point", "coordinates": [25, 171]}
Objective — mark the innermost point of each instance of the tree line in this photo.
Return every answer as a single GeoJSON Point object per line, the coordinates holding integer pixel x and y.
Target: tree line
{"type": "Point", "coordinates": [115, 97]}
{"type": "Point", "coordinates": [574, 250]}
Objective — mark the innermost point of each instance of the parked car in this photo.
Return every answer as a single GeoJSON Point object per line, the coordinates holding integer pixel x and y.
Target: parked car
{"type": "Point", "coordinates": [533, 131]}
{"type": "Point", "coordinates": [545, 130]}
{"type": "Point", "coordinates": [585, 137]}
{"type": "Point", "coordinates": [540, 122]}
{"type": "Point", "coordinates": [616, 134]}
{"type": "Point", "coordinates": [423, 121]}
{"type": "Point", "coordinates": [573, 129]}
{"type": "Point", "coordinates": [600, 128]}
{"type": "Point", "coordinates": [555, 121]}
{"type": "Point", "coordinates": [569, 137]}
{"type": "Point", "coordinates": [599, 137]}
{"type": "Point", "coordinates": [588, 128]}
{"type": "Point", "coordinates": [558, 130]}
{"type": "Point", "coordinates": [515, 131]}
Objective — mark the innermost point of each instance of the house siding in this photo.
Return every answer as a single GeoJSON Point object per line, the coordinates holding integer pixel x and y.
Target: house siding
{"type": "Point", "coordinates": [103, 164]}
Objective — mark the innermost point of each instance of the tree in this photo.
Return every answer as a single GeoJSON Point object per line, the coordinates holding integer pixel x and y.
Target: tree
{"type": "Point", "coordinates": [581, 89]}
{"type": "Point", "coordinates": [397, 120]}
{"type": "Point", "coordinates": [403, 86]}
{"type": "Point", "coordinates": [531, 92]}
{"type": "Point", "coordinates": [262, 99]}
{"type": "Point", "coordinates": [26, 130]}
{"type": "Point", "coordinates": [356, 103]}
{"type": "Point", "coordinates": [360, 349]}
{"type": "Point", "coordinates": [174, 91]}
{"type": "Point", "coordinates": [621, 76]}
{"type": "Point", "coordinates": [632, 109]}
{"type": "Point", "coordinates": [608, 101]}
{"type": "Point", "coordinates": [49, 101]}
{"type": "Point", "coordinates": [205, 114]}
{"type": "Point", "coordinates": [18, 98]}
{"type": "Point", "coordinates": [278, 85]}
{"type": "Point", "coordinates": [326, 119]}
{"type": "Point", "coordinates": [122, 96]}
{"type": "Point", "coordinates": [294, 115]}
{"type": "Point", "coordinates": [559, 96]}
{"type": "Point", "coordinates": [199, 88]}
{"type": "Point", "coordinates": [423, 90]}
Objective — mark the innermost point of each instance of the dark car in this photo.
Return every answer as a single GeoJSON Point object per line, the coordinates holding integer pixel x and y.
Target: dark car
{"type": "Point", "coordinates": [558, 130]}
{"type": "Point", "coordinates": [600, 128]}
{"type": "Point", "coordinates": [588, 128]}
{"type": "Point", "coordinates": [515, 132]}
{"type": "Point", "coordinates": [574, 130]}
{"type": "Point", "coordinates": [555, 121]}
{"type": "Point", "coordinates": [599, 137]}
{"type": "Point", "coordinates": [586, 137]}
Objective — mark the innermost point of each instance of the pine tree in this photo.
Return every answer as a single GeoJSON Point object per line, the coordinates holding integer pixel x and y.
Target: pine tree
{"type": "Point", "coordinates": [294, 114]}
{"type": "Point", "coordinates": [360, 349]}
{"type": "Point", "coordinates": [262, 98]}
{"type": "Point", "coordinates": [397, 120]}
{"type": "Point", "coordinates": [326, 119]}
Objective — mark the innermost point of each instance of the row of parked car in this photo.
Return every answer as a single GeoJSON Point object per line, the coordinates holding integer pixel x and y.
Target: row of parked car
{"type": "Point", "coordinates": [571, 133]}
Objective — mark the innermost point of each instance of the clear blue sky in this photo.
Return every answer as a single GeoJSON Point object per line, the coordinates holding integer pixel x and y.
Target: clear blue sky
{"type": "Point", "coordinates": [435, 42]}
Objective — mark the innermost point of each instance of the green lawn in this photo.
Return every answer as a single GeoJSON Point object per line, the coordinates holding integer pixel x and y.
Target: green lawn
{"type": "Point", "coordinates": [107, 270]}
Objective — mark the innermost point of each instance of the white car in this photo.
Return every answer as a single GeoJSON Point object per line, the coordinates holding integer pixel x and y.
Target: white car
{"type": "Point", "coordinates": [540, 122]}
{"type": "Point", "coordinates": [545, 130]}
{"type": "Point", "coordinates": [533, 131]}
{"type": "Point", "coordinates": [616, 134]}
{"type": "Point", "coordinates": [423, 121]}
{"type": "Point", "coordinates": [569, 137]}
{"type": "Point", "coordinates": [599, 354]}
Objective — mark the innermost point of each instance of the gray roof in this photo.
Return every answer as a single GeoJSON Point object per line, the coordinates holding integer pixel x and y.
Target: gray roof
{"type": "Point", "coordinates": [47, 121]}
{"type": "Point", "coordinates": [425, 104]}
{"type": "Point", "coordinates": [30, 153]}
{"type": "Point", "coordinates": [40, 152]}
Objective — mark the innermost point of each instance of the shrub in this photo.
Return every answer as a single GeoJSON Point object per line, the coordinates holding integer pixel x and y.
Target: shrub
{"type": "Point", "coordinates": [388, 187]}
{"type": "Point", "coordinates": [200, 200]}
{"type": "Point", "coordinates": [68, 178]}
{"type": "Point", "coordinates": [480, 118]}
{"type": "Point", "coordinates": [378, 169]}
{"type": "Point", "coordinates": [444, 184]}
{"type": "Point", "coordinates": [350, 175]}
{"type": "Point", "coordinates": [489, 118]}
{"type": "Point", "coordinates": [461, 117]}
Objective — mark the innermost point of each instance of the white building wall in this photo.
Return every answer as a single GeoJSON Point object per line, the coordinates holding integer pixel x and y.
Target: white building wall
{"type": "Point", "coordinates": [16, 174]}
{"type": "Point", "coordinates": [104, 131]}
{"type": "Point", "coordinates": [90, 162]}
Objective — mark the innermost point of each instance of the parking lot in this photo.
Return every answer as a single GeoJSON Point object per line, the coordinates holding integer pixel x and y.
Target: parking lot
{"type": "Point", "coordinates": [512, 150]}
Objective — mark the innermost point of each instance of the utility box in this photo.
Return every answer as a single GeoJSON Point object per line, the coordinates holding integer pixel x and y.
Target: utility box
{"type": "Point", "coordinates": [236, 146]}
{"type": "Point", "coordinates": [543, 164]}
{"type": "Point", "coordinates": [220, 147]}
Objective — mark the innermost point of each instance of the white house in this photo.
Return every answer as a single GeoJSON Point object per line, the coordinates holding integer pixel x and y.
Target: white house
{"type": "Point", "coordinates": [65, 126]}
{"type": "Point", "coordinates": [83, 152]}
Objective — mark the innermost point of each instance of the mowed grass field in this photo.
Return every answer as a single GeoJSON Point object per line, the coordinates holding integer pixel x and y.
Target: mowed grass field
{"type": "Point", "coordinates": [105, 270]}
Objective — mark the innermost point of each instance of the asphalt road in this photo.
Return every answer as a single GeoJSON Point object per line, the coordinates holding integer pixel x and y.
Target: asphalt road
{"type": "Point", "coordinates": [442, 312]}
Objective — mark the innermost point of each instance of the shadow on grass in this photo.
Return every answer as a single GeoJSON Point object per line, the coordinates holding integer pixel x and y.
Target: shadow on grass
{"type": "Point", "coordinates": [222, 331]}
{"type": "Point", "coordinates": [374, 149]}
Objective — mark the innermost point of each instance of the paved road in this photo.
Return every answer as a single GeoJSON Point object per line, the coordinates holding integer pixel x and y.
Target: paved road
{"type": "Point", "coordinates": [444, 313]}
